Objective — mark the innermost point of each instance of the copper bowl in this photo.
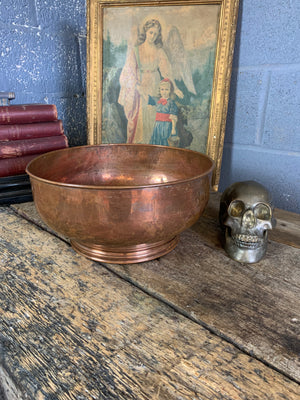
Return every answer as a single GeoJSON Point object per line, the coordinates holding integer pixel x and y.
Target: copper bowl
{"type": "Point", "coordinates": [121, 203]}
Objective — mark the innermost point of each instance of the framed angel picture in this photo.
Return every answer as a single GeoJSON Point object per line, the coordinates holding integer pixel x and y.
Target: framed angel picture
{"type": "Point", "coordinates": [159, 73]}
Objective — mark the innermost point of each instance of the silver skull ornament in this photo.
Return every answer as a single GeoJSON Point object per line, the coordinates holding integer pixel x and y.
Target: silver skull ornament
{"type": "Point", "coordinates": [246, 214]}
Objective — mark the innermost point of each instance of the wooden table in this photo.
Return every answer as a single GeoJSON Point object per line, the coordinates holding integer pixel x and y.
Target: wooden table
{"type": "Point", "coordinates": [193, 324]}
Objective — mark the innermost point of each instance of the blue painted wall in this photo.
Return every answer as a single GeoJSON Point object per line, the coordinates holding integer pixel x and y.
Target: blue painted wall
{"type": "Point", "coordinates": [43, 59]}
{"type": "Point", "coordinates": [262, 140]}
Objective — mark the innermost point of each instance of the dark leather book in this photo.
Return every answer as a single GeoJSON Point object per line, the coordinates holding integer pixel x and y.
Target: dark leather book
{"type": "Point", "coordinates": [8, 183]}
{"type": "Point", "coordinates": [15, 189]}
{"type": "Point", "coordinates": [21, 191]}
{"type": "Point", "coordinates": [15, 166]}
{"type": "Point", "coordinates": [20, 196]}
{"type": "Point", "coordinates": [27, 113]}
{"type": "Point", "coordinates": [30, 131]}
{"type": "Point", "coordinates": [17, 148]}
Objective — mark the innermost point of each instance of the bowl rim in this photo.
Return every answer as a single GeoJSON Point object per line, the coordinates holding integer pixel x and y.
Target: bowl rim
{"type": "Point", "coordinates": [114, 187]}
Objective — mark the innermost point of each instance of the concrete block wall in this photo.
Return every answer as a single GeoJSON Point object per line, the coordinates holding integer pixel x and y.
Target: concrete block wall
{"type": "Point", "coordinates": [43, 59]}
{"type": "Point", "coordinates": [262, 140]}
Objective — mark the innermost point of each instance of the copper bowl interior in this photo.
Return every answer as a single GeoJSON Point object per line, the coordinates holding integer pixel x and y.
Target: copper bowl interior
{"type": "Point", "coordinates": [116, 202]}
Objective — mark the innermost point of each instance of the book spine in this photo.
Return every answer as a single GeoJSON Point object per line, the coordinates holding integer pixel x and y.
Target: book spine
{"type": "Point", "coordinates": [15, 166]}
{"type": "Point", "coordinates": [19, 148]}
{"type": "Point", "coordinates": [31, 131]}
{"type": "Point", "coordinates": [27, 113]}
{"type": "Point", "coordinates": [15, 189]}
{"type": "Point", "coordinates": [9, 182]}
{"type": "Point", "coordinates": [18, 197]}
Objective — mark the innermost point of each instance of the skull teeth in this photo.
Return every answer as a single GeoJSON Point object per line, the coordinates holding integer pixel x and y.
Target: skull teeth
{"type": "Point", "coordinates": [246, 240]}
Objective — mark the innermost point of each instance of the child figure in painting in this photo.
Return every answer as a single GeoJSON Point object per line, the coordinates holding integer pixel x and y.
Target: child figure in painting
{"type": "Point", "coordinates": [164, 131]}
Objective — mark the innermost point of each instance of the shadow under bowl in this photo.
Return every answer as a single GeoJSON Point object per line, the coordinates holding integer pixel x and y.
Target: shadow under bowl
{"type": "Point", "coordinates": [121, 203]}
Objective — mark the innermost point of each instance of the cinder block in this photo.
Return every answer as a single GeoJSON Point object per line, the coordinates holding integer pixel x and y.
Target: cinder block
{"type": "Point", "coordinates": [282, 121]}
{"type": "Point", "coordinates": [19, 13]}
{"type": "Point", "coordinates": [37, 61]}
{"type": "Point", "coordinates": [57, 15]}
{"type": "Point", "coordinates": [247, 92]}
{"type": "Point", "coordinates": [269, 32]}
{"type": "Point", "coordinates": [277, 171]}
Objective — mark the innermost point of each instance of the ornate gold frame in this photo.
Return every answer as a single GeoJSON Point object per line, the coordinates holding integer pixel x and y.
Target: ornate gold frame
{"type": "Point", "coordinates": [222, 70]}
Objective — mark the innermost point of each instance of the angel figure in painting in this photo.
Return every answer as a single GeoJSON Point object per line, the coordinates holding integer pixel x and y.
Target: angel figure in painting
{"type": "Point", "coordinates": [146, 65]}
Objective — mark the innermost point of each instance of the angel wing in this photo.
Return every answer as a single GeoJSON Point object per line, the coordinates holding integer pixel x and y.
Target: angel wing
{"type": "Point", "coordinates": [176, 54]}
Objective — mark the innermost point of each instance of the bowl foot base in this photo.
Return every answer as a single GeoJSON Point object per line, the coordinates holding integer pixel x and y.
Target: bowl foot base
{"type": "Point", "coordinates": [125, 254]}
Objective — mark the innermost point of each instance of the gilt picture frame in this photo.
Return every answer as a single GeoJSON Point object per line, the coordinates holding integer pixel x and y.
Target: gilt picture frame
{"type": "Point", "coordinates": [158, 72]}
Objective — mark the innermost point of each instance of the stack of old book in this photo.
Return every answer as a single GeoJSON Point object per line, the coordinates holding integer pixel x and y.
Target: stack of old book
{"type": "Point", "coordinates": [26, 131]}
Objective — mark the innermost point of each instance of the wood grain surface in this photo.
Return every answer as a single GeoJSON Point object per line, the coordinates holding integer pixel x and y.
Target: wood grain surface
{"type": "Point", "coordinates": [254, 306]}
{"type": "Point", "coordinates": [191, 325]}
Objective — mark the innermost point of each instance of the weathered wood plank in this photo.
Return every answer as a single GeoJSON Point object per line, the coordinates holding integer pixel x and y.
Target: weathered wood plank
{"type": "Point", "coordinates": [8, 390]}
{"type": "Point", "coordinates": [70, 329]}
{"type": "Point", "coordinates": [255, 306]}
{"type": "Point", "coordinates": [287, 230]}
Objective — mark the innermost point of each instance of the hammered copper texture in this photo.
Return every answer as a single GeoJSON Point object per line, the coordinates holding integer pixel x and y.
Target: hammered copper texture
{"type": "Point", "coordinates": [121, 203]}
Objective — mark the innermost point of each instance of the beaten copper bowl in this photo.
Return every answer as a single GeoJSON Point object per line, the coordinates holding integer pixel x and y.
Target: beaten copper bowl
{"type": "Point", "coordinates": [121, 203]}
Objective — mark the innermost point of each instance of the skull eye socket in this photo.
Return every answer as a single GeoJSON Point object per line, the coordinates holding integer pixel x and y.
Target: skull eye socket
{"type": "Point", "coordinates": [236, 208]}
{"type": "Point", "coordinates": [262, 211]}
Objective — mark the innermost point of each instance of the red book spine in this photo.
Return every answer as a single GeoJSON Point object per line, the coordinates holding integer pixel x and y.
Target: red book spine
{"type": "Point", "coordinates": [31, 131]}
{"type": "Point", "coordinates": [19, 148]}
{"type": "Point", "coordinates": [27, 113]}
{"type": "Point", "coordinates": [15, 166]}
